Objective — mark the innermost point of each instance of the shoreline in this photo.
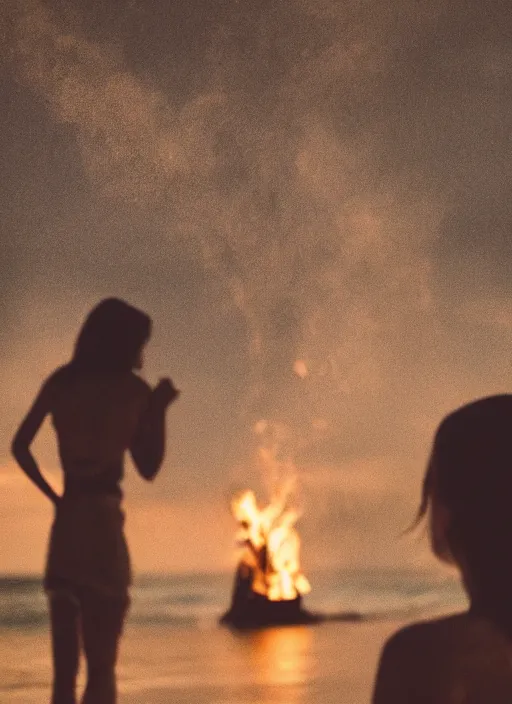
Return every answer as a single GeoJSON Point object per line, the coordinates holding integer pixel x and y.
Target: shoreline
{"type": "Point", "coordinates": [328, 663]}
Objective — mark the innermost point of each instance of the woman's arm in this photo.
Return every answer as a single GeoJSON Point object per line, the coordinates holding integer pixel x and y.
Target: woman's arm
{"type": "Point", "coordinates": [148, 446]}
{"type": "Point", "coordinates": [25, 434]}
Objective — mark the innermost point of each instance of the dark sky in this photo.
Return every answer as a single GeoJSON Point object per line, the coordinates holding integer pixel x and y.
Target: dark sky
{"type": "Point", "coordinates": [272, 181]}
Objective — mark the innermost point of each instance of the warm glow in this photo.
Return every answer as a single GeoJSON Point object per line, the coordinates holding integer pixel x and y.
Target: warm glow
{"type": "Point", "coordinates": [300, 368]}
{"type": "Point", "coordinates": [271, 544]}
{"type": "Point", "coordinates": [283, 656]}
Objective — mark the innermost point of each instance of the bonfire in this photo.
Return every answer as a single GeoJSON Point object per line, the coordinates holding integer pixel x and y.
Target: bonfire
{"type": "Point", "coordinates": [269, 583]}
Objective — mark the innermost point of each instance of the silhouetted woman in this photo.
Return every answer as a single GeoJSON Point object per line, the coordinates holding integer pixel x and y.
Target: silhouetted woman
{"type": "Point", "coordinates": [100, 408]}
{"type": "Point", "coordinates": [467, 493]}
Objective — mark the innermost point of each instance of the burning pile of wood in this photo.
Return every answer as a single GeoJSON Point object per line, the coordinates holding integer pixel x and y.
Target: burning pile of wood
{"type": "Point", "coordinates": [269, 584]}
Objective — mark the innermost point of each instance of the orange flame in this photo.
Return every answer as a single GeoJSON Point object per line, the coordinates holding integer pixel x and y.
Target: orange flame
{"type": "Point", "coordinates": [271, 544]}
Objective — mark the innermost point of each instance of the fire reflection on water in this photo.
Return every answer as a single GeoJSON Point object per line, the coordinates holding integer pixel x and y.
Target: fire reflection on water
{"type": "Point", "coordinates": [282, 659]}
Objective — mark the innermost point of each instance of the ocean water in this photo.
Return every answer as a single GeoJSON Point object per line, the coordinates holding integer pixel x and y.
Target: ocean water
{"type": "Point", "coordinates": [173, 649]}
{"type": "Point", "coordinates": [197, 601]}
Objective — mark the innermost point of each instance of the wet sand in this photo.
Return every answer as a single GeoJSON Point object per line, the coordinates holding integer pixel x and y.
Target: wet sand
{"type": "Point", "coordinates": [325, 664]}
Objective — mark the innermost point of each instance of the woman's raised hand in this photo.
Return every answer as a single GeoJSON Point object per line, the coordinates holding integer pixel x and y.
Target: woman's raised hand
{"type": "Point", "coordinates": [165, 393]}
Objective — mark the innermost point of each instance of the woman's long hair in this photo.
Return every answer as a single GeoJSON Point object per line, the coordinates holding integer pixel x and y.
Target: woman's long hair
{"type": "Point", "coordinates": [470, 475]}
{"type": "Point", "coordinates": [111, 338]}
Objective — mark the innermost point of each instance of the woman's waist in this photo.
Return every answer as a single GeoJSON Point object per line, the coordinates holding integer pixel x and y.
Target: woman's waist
{"type": "Point", "coordinates": [89, 513]}
{"type": "Point", "coordinates": [92, 477]}
{"type": "Point", "coordinates": [74, 489]}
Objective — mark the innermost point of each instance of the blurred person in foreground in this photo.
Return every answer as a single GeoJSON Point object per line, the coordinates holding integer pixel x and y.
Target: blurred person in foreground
{"type": "Point", "coordinates": [467, 493]}
{"type": "Point", "coordinates": [100, 408]}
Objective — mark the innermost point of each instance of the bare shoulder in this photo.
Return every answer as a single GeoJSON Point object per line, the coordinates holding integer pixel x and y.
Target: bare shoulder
{"type": "Point", "coordinates": [139, 383]}
{"type": "Point", "coordinates": [405, 641]}
{"type": "Point", "coordinates": [424, 634]}
{"type": "Point", "coordinates": [409, 662]}
{"type": "Point", "coordinates": [446, 640]}
{"type": "Point", "coordinates": [403, 648]}
{"type": "Point", "coordinates": [434, 661]}
{"type": "Point", "coordinates": [55, 381]}
{"type": "Point", "coordinates": [139, 387]}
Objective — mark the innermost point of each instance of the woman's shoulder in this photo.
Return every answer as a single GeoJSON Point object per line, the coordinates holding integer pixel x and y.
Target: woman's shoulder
{"type": "Point", "coordinates": [139, 385]}
{"type": "Point", "coordinates": [58, 378]}
{"type": "Point", "coordinates": [407, 664]}
{"type": "Point", "coordinates": [67, 377]}
{"type": "Point", "coordinates": [419, 644]}
{"type": "Point", "coordinates": [423, 633]}
{"type": "Point", "coordinates": [444, 639]}
{"type": "Point", "coordinates": [436, 660]}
